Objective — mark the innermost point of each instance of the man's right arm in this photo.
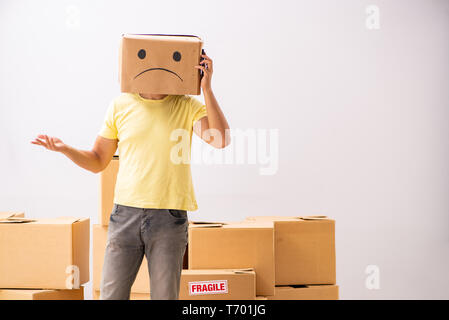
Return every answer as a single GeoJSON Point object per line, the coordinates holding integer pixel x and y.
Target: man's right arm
{"type": "Point", "coordinates": [95, 160]}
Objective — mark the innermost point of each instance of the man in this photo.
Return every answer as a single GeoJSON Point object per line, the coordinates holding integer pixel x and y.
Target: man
{"type": "Point", "coordinates": [153, 193]}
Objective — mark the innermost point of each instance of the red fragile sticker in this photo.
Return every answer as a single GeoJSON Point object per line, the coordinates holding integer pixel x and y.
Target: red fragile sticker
{"type": "Point", "coordinates": [208, 287]}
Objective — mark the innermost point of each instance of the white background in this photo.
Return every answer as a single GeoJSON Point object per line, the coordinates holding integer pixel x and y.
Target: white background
{"type": "Point", "coordinates": [362, 118]}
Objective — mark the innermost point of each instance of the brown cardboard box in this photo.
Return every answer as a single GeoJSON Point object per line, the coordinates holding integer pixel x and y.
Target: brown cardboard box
{"type": "Point", "coordinates": [304, 249]}
{"type": "Point", "coordinates": [44, 253]}
{"type": "Point", "coordinates": [162, 64]}
{"type": "Point", "coordinates": [235, 245]}
{"type": "Point", "coordinates": [312, 292]}
{"type": "Point", "coordinates": [229, 284]}
{"type": "Point", "coordinates": [211, 284]}
{"type": "Point", "coordinates": [6, 215]}
{"type": "Point", "coordinates": [32, 294]}
{"type": "Point", "coordinates": [108, 178]}
{"type": "Point", "coordinates": [142, 282]}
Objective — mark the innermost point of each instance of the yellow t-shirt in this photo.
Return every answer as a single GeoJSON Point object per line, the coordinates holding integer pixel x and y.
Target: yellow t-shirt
{"type": "Point", "coordinates": [148, 141]}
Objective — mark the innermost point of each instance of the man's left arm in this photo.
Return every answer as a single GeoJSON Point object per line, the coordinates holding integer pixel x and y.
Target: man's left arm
{"type": "Point", "coordinates": [213, 128]}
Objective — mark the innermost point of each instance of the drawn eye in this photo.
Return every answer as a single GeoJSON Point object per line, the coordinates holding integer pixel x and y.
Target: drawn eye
{"type": "Point", "coordinates": [176, 56]}
{"type": "Point", "coordinates": [141, 54]}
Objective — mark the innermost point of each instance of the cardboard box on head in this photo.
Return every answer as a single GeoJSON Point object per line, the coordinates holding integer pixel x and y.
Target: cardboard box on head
{"type": "Point", "coordinates": [160, 64]}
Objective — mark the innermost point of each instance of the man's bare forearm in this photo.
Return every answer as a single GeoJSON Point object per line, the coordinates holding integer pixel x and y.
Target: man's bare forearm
{"type": "Point", "coordinates": [215, 116]}
{"type": "Point", "coordinates": [88, 160]}
{"type": "Point", "coordinates": [94, 160]}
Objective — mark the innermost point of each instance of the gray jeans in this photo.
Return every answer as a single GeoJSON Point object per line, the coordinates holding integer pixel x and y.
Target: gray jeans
{"type": "Point", "coordinates": [160, 234]}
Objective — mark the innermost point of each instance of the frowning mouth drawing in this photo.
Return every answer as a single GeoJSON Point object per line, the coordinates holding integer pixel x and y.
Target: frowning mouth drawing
{"type": "Point", "coordinates": [163, 69]}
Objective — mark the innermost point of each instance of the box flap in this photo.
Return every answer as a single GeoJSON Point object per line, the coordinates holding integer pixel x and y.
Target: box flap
{"type": "Point", "coordinates": [313, 218]}
{"type": "Point", "coordinates": [206, 224]}
{"type": "Point", "coordinates": [16, 220]}
{"type": "Point", "coordinates": [263, 224]}
{"type": "Point", "coordinates": [60, 220]}
{"type": "Point", "coordinates": [217, 271]}
{"type": "Point", "coordinates": [5, 215]}
{"type": "Point", "coordinates": [286, 218]}
{"type": "Point", "coordinates": [243, 271]}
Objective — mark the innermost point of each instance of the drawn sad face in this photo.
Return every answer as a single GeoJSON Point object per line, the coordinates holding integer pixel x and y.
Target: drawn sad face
{"type": "Point", "coordinates": [176, 57]}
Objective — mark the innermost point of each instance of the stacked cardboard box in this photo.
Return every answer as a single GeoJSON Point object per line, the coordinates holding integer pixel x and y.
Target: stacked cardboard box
{"type": "Point", "coordinates": [290, 257]}
{"type": "Point", "coordinates": [235, 245]}
{"type": "Point", "coordinates": [43, 258]}
{"type": "Point", "coordinates": [289, 254]}
{"type": "Point", "coordinates": [305, 257]}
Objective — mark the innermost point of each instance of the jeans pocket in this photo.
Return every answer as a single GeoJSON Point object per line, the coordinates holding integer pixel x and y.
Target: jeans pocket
{"type": "Point", "coordinates": [178, 214]}
{"type": "Point", "coordinates": [114, 210]}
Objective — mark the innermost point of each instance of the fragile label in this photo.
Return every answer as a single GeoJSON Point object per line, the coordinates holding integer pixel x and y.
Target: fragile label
{"type": "Point", "coordinates": [208, 287]}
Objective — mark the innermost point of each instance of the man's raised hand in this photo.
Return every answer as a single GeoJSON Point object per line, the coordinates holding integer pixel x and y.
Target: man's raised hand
{"type": "Point", "coordinates": [50, 143]}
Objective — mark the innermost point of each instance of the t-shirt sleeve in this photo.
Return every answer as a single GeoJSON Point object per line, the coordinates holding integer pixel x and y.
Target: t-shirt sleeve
{"type": "Point", "coordinates": [197, 109]}
{"type": "Point", "coordinates": [109, 128]}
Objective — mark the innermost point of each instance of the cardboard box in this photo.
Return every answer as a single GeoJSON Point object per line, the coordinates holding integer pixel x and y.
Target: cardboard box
{"type": "Point", "coordinates": [108, 178]}
{"type": "Point", "coordinates": [7, 215]}
{"type": "Point", "coordinates": [312, 292]}
{"type": "Point", "coordinates": [142, 282]}
{"type": "Point", "coordinates": [44, 253]}
{"type": "Point", "coordinates": [32, 294]}
{"type": "Point", "coordinates": [211, 284]}
{"type": "Point", "coordinates": [233, 246]}
{"type": "Point", "coordinates": [218, 284]}
{"type": "Point", "coordinates": [304, 249]}
{"type": "Point", "coordinates": [162, 64]}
